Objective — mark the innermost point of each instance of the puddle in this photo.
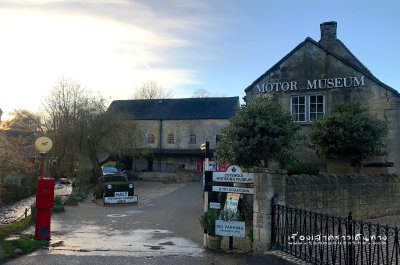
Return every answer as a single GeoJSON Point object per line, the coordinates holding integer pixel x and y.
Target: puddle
{"type": "Point", "coordinates": [116, 215]}
{"type": "Point", "coordinates": [169, 243]}
{"type": "Point", "coordinates": [94, 240]}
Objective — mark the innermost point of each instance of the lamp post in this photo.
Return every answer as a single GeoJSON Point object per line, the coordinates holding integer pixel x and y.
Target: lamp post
{"type": "Point", "coordinates": [44, 193]}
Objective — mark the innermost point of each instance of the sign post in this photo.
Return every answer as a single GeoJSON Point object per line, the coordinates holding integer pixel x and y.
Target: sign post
{"type": "Point", "coordinates": [205, 147]}
{"type": "Point", "coordinates": [234, 182]}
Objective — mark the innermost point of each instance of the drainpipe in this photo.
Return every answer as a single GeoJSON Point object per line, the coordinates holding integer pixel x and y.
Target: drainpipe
{"type": "Point", "coordinates": [160, 146]}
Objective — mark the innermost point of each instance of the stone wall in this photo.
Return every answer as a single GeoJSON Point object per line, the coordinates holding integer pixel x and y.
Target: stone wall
{"type": "Point", "coordinates": [181, 176]}
{"type": "Point", "coordinates": [204, 130]}
{"type": "Point", "coordinates": [366, 196]}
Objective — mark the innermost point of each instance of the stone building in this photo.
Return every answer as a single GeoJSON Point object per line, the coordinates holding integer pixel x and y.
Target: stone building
{"type": "Point", "coordinates": [314, 77]}
{"type": "Point", "coordinates": [172, 130]}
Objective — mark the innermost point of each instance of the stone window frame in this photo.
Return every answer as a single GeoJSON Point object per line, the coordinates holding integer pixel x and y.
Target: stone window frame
{"type": "Point", "coordinates": [150, 138]}
{"type": "Point", "coordinates": [192, 139]}
{"type": "Point", "coordinates": [171, 138]}
{"type": "Point", "coordinates": [305, 116]}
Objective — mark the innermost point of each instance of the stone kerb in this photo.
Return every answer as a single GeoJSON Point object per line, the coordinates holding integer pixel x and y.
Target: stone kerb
{"type": "Point", "coordinates": [268, 184]}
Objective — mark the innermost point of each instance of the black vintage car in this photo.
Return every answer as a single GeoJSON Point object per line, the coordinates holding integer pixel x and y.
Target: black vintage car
{"type": "Point", "coordinates": [115, 188]}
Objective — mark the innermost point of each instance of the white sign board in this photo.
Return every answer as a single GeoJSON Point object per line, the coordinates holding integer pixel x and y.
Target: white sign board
{"type": "Point", "coordinates": [233, 174]}
{"type": "Point", "coordinates": [121, 199]}
{"type": "Point", "coordinates": [215, 205]}
{"type": "Point", "coordinates": [230, 228]}
{"type": "Point", "coordinates": [233, 189]}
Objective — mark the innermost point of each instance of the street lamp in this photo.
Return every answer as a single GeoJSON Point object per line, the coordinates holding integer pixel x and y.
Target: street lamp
{"type": "Point", "coordinates": [43, 145]}
{"type": "Point", "coordinates": [44, 193]}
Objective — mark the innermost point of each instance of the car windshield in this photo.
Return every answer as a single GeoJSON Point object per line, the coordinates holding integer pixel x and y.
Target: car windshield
{"type": "Point", "coordinates": [115, 179]}
{"type": "Point", "coordinates": [110, 170]}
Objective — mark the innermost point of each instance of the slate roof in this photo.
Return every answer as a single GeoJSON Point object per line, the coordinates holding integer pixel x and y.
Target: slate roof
{"type": "Point", "coordinates": [337, 50]}
{"type": "Point", "coordinates": [176, 109]}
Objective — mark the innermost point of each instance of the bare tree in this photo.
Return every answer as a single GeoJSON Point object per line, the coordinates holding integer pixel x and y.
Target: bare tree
{"type": "Point", "coordinates": [83, 132]}
{"type": "Point", "coordinates": [151, 90]}
{"type": "Point", "coordinates": [201, 93]}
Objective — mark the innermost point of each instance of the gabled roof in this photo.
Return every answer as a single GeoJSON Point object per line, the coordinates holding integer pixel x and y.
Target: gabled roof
{"type": "Point", "coordinates": [176, 109]}
{"type": "Point", "coordinates": [340, 52]}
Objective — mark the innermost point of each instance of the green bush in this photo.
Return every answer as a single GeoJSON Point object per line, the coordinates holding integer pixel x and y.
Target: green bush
{"type": "Point", "coordinates": [350, 133]}
{"type": "Point", "coordinates": [57, 200]}
{"type": "Point", "coordinates": [207, 221]}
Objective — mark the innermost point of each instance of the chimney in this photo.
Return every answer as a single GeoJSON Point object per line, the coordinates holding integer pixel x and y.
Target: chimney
{"type": "Point", "coordinates": [328, 33]}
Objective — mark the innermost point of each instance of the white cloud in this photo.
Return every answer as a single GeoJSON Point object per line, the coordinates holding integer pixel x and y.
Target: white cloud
{"type": "Point", "coordinates": [44, 40]}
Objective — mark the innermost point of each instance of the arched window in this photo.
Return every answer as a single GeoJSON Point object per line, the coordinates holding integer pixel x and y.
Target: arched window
{"type": "Point", "coordinates": [150, 139]}
{"type": "Point", "coordinates": [171, 138]}
{"type": "Point", "coordinates": [192, 139]}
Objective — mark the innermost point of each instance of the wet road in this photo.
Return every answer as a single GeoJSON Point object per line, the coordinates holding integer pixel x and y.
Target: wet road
{"type": "Point", "coordinates": [11, 212]}
{"type": "Point", "coordinates": [163, 228]}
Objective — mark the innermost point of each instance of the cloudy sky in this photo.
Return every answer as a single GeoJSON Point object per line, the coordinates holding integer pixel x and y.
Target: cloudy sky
{"type": "Point", "coordinates": [112, 46]}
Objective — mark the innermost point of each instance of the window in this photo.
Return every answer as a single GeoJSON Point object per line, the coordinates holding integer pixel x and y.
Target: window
{"type": "Point", "coordinates": [307, 108]}
{"type": "Point", "coordinates": [171, 138]}
{"type": "Point", "coordinates": [150, 139]}
{"type": "Point", "coordinates": [192, 139]}
{"type": "Point", "coordinates": [299, 108]}
{"type": "Point", "coordinates": [317, 109]}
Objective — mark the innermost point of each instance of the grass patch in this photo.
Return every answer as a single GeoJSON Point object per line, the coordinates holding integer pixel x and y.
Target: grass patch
{"type": "Point", "coordinates": [57, 208]}
{"type": "Point", "coordinates": [7, 230]}
{"type": "Point", "coordinates": [26, 244]}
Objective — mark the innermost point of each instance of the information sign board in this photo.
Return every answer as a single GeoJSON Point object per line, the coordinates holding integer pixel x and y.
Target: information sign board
{"type": "Point", "coordinates": [233, 174]}
{"type": "Point", "coordinates": [233, 189]}
{"type": "Point", "coordinates": [230, 228]}
{"type": "Point", "coordinates": [215, 205]}
{"type": "Point", "coordinates": [121, 199]}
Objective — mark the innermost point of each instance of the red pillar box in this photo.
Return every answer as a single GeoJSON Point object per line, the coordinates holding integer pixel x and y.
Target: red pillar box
{"type": "Point", "coordinates": [44, 203]}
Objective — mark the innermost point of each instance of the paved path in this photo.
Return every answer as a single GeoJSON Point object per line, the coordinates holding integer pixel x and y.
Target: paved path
{"type": "Point", "coordinates": [163, 228]}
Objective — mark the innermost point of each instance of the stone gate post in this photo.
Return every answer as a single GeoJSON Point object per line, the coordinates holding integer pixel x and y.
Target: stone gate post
{"type": "Point", "coordinates": [268, 183]}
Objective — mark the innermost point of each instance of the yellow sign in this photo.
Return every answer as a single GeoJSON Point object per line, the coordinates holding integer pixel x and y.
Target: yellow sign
{"type": "Point", "coordinates": [43, 144]}
{"type": "Point", "coordinates": [233, 196]}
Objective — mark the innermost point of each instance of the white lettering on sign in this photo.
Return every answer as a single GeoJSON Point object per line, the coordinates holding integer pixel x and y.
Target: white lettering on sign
{"type": "Point", "coordinates": [215, 205]}
{"type": "Point", "coordinates": [233, 174]}
{"type": "Point", "coordinates": [335, 82]}
{"type": "Point", "coordinates": [230, 228]}
{"type": "Point", "coordinates": [121, 199]}
{"type": "Point", "coordinates": [233, 189]}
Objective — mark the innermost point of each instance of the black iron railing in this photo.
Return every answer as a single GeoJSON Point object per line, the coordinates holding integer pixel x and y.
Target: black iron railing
{"type": "Point", "coordinates": [327, 239]}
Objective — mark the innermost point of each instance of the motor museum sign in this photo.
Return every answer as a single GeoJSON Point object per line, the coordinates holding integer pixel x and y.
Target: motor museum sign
{"type": "Point", "coordinates": [326, 83]}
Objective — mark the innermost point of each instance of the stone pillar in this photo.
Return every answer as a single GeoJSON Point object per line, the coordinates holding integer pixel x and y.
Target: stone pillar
{"type": "Point", "coordinates": [268, 184]}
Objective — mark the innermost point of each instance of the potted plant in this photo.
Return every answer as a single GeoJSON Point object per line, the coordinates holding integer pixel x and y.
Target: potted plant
{"type": "Point", "coordinates": [207, 221]}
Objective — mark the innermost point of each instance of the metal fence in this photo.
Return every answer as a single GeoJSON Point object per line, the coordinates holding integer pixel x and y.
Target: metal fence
{"type": "Point", "coordinates": [327, 239]}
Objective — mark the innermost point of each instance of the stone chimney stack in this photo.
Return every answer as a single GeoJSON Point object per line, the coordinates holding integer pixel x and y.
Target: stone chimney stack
{"type": "Point", "coordinates": [328, 33]}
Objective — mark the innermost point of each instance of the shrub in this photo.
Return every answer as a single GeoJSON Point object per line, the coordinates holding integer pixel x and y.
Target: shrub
{"type": "Point", "coordinates": [258, 133]}
{"type": "Point", "coordinates": [349, 132]}
{"type": "Point", "coordinates": [207, 221]}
